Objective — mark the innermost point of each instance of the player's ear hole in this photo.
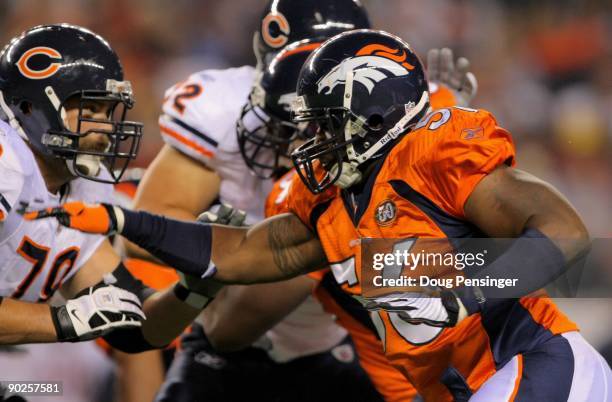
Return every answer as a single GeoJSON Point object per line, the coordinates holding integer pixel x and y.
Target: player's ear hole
{"type": "Point", "coordinates": [375, 122]}
{"type": "Point", "coordinates": [25, 107]}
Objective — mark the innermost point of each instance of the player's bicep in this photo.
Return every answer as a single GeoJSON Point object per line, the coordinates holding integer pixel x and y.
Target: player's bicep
{"type": "Point", "coordinates": [176, 185]}
{"type": "Point", "coordinates": [278, 248]}
{"type": "Point", "coordinates": [507, 201]}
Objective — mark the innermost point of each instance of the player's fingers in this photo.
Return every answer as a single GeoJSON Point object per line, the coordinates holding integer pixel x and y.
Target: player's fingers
{"type": "Point", "coordinates": [32, 215]}
{"type": "Point", "coordinates": [238, 218]}
{"type": "Point", "coordinates": [224, 213]}
{"type": "Point", "coordinates": [44, 213]}
{"type": "Point", "coordinates": [462, 66]}
{"type": "Point", "coordinates": [447, 65]}
{"type": "Point", "coordinates": [433, 64]}
{"type": "Point", "coordinates": [207, 217]}
{"type": "Point", "coordinates": [470, 84]}
{"type": "Point", "coordinates": [457, 76]}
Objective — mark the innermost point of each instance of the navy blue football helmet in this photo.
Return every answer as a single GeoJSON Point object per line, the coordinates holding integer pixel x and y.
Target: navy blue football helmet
{"type": "Point", "coordinates": [288, 21]}
{"type": "Point", "coordinates": [363, 89]}
{"type": "Point", "coordinates": [265, 130]}
{"type": "Point", "coordinates": [49, 65]}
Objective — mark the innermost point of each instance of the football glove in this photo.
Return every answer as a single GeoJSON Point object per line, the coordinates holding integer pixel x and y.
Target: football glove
{"type": "Point", "coordinates": [447, 310]}
{"type": "Point", "coordinates": [103, 219]}
{"type": "Point", "coordinates": [223, 214]}
{"type": "Point", "coordinates": [441, 69]}
{"type": "Point", "coordinates": [95, 311]}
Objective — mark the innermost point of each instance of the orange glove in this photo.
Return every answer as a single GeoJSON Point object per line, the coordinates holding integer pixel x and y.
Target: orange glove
{"type": "Point", "coordinates": [88, 218]}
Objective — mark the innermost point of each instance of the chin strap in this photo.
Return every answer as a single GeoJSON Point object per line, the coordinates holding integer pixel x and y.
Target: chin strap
{"type": "Point", "coordinates": [88, 165]}
{"type": "Point", "coordinates": [349, 176]}
{"type": "Point", "coordinates": [12, 120]}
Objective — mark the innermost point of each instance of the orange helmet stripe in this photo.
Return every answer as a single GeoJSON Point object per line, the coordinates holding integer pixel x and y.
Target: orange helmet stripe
{"type": "Point", "coordinates": [377, 49]}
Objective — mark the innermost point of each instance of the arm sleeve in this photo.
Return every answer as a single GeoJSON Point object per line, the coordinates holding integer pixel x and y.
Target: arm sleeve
{"type": "Point", "coordinates": [185, 246]}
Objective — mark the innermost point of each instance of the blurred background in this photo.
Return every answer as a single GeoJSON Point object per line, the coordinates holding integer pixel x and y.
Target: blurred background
{"type": "Point", "coordinates": [544, 70]}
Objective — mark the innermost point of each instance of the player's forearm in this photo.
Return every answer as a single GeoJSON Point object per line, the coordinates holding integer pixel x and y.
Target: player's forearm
{"type": "Point", "coordinates": [263, 253]}
{"type": "Point", "coordinates": [167, 318]}
{"type": "Point", "coordinates": [550, 235]}
{"type": "Point", "coordinates": [134, 251]}
{"type": "Point", "coordinates": [22, 322]}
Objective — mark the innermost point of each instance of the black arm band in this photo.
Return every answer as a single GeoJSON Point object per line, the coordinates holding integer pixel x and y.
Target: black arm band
{"type": "Point", "coordinates": [533, 259]}
{"type": "Point", "coordinates": [185, 246]}
{"type": "Point", "coordinates": [122, 278]}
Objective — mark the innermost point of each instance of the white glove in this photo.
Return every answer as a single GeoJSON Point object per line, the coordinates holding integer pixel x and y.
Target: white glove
{"type": "Point", "coordinates": [442, 69]}
{"type": "Point", "coordinates": [418, 308]}
{"type": "Point", "coordinates": [96, 311]}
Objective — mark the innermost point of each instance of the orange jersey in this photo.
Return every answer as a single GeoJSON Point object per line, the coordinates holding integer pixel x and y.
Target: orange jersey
{"type": "Point", "coordinates": [389, 382]}
{"type": "Point", "coordinates": [418, 191]}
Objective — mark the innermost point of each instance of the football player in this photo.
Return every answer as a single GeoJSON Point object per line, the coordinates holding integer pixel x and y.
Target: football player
{"type": "Point", "coordinates": [200, 163]}
{"type": "Point", "coordinates": [234, 323]}
{"type": "Point", "coordinates": [64, 101]}
{"type": "Point", "coordinates": [445, 174]}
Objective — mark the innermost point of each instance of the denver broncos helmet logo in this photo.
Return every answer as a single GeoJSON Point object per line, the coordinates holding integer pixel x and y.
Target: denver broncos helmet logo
{"type": "Point", "coordinates": [371, 64]}
{"type": "Point", "coordinates": [275, 39]}
{"type": "Point", "coordinates": [48, 71]}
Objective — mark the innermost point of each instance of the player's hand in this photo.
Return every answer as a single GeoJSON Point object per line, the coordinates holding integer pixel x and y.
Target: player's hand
{"type": "Point", "coordinates": [223, 214]}
{"type": "Point", "coordinates": [96, 311]}
{"type": "Point", "coordinates": [419, 308]}
{"type": "Point", "coordinates": [88, 218]}
{"type": "Point", "coordinates": [442, 69]}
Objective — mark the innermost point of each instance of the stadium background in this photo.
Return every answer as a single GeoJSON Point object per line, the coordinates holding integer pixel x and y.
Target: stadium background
{"type": "Point", "coordinates": [544, 69]}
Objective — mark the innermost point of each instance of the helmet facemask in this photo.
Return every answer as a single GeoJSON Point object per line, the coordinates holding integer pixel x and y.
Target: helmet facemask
{"type": "Point", "coordinates": [266, 141]}
{"type": "Point", "coordinates": [123, 136]}
{"type": "Point", "coordinates": [266, 135]}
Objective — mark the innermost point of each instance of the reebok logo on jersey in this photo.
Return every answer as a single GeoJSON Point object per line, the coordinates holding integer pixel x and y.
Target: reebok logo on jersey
{"type": "Point", "coordinates": [472, 133]}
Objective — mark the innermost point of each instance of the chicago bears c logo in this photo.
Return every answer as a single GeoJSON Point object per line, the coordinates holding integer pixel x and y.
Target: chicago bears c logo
{"type": "Point", "coordinates": [372, 64]}
{"type": "Point", "coordinates": [28, 72]}
{"type": "Point", "coordinates": [275, 40]}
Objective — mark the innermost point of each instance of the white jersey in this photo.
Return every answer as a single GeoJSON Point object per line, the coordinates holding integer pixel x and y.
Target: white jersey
{"type": "Point", "coordinates": [37, 257]}
{"type": "Point", "coordinates": [199, 119]}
